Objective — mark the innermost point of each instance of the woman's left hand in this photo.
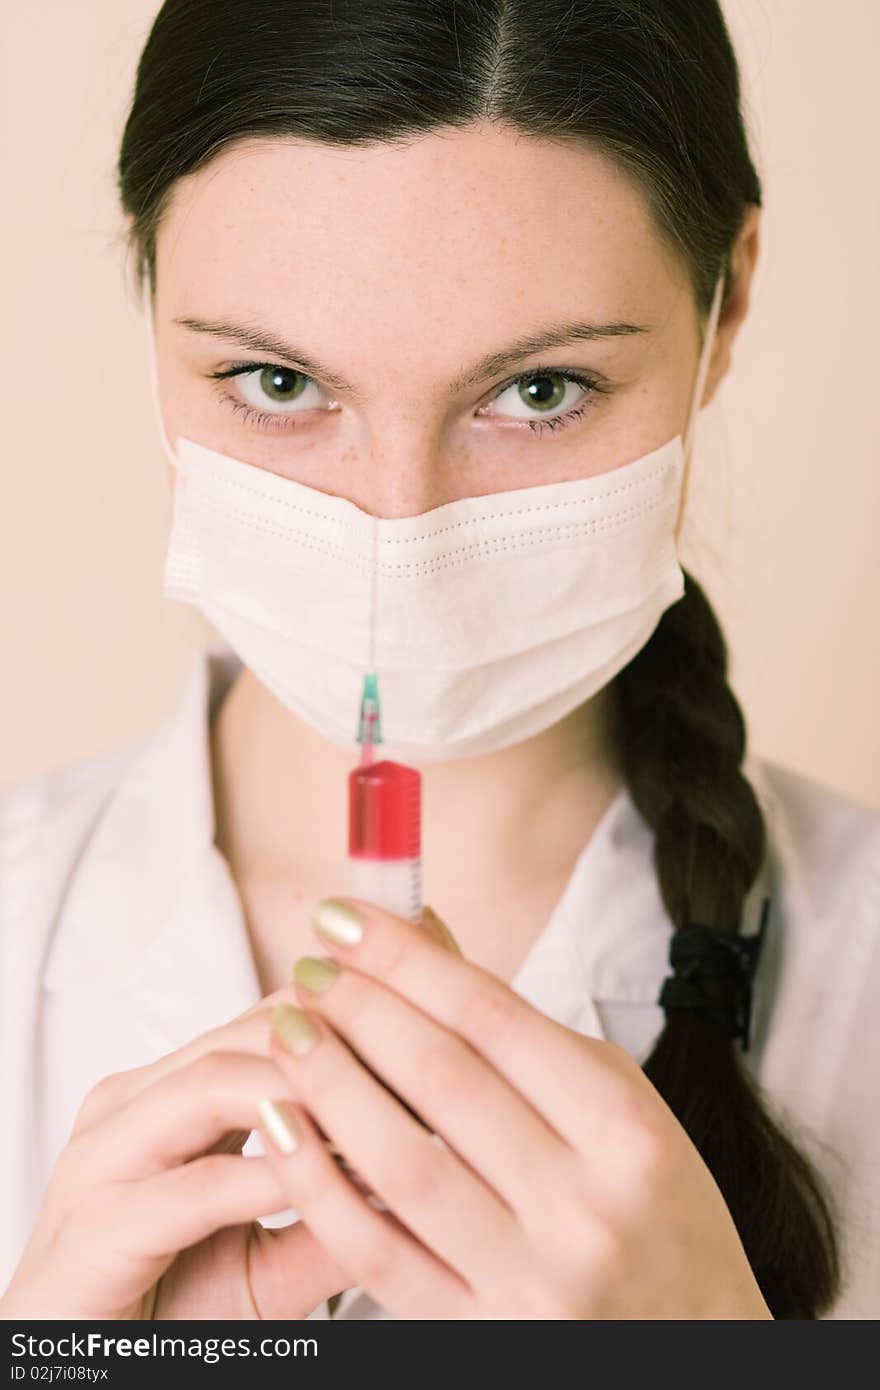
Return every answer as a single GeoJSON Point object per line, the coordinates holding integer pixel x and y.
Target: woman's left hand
{"type": "Point", "coordinates": [563, 1187]}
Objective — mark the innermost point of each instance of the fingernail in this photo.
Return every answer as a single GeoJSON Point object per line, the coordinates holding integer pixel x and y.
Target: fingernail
{"type": "Point", "coordinates": [446, 934]}
{"type": "Point", "coordinates": [278, 1126]}
{"type": "Point", "coordinates": [338, 922]}
{"type": "Point", "coordinates": [450, 939]}
{"type": "Point", "coordinates": [293, 1029]}
{"type": "Point", "coordinates": [315, 973]}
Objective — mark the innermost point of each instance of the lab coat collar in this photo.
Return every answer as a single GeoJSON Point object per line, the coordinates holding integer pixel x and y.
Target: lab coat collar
{"type": "Point", "coordinates": [180, 954]}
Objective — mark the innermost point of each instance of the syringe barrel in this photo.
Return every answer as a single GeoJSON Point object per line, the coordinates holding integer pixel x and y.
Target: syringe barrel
{"type": "Point", "coordinates": [394, 884]}
{"type": "Point", "coordinates": [384, 857]}
{"type": "Point", "coordinates": [384, 837]}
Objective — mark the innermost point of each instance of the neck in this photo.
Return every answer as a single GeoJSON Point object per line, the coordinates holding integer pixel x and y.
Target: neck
{"type": "Point", "coordinates": [497, 829]}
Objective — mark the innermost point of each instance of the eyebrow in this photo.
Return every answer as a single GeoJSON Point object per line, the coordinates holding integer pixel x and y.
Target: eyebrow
{"type": "Point", "coordinates": [553, 335]}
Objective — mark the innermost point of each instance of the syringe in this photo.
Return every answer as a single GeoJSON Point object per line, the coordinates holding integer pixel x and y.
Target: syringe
{"type": "Point", "coordinates": [384, 820]}
{"type": "Point", "coordinates": [384, 847]}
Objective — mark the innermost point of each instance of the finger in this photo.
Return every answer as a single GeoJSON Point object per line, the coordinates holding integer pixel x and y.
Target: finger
{"type": "Point", "coordinates": [112, 1247]}
{"type": "Point", "coordinates": [573, 1081]}
{"type": "Point", "coordinates": [379, 1254]}
{"type": "Point", "coordinates": [249, 1032]}
{"type": "Point", "coordinates": [292, 1272]}
{"type": "Point", "coordinates": [171, 1210]}
{"type": "Point", "coordinates": [177, 1117]}
{"type": "Point", "coordinates": [449, 1208]}
{"type": "Point", "coordinates": [454, 1089]}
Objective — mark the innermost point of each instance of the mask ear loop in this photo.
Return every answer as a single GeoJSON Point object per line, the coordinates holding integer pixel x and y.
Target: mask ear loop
{"type": "Point", "coordinates": [147, 306]}
{"type": "Point", "coordinates": [693, 411]}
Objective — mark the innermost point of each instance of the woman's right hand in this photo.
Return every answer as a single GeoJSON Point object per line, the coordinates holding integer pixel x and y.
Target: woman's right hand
{"type": "Point", "coordinates": [147, 1213]}
{"type": "Point", "coordinates": [151, 1210]}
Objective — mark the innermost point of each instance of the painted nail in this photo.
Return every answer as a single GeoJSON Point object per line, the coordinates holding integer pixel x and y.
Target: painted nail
{"type": "Point", "coordinates": [429, 916]}
{"type": "Point", "coordinates": [315, 973]}
{"type": "Point", "coordinates": [338, 922]}
{"type": "Point", "coordinates": [278, 1126]}
{"type": "Point", "coordinates": [447, 934]}
{"type": "Point", "coordinates": [451, 941]}
{"type": "Point", "coordinates": [293, 1029]}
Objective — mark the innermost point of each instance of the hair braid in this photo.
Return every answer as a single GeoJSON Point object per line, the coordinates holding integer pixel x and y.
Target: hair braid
{"type": "Point", "coordinates": [682, 741]}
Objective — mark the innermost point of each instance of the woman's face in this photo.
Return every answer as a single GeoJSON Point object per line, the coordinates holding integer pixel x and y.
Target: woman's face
{"type": "Point", "coordinates": [399, 292]}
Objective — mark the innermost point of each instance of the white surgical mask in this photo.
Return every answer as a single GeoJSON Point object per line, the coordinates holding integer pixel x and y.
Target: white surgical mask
{"type": "Point", "coordinates": [495, 616]}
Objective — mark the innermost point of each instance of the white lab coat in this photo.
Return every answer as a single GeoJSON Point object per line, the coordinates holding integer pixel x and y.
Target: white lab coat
{"type": "Point", "coordinates": [122, 936]}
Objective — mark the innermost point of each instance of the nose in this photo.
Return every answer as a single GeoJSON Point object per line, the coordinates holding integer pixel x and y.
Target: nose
{"type": "Point", "coordinates": [407, 474]}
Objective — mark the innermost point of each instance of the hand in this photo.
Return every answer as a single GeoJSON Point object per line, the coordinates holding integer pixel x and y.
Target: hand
{"type": "Point", "coordinates": [558, 1183]}
{"type": "Point", "coordinates": [150, 1212]}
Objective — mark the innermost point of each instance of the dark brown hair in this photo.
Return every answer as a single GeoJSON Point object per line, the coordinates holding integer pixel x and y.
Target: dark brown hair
{"type": "Point", "coordinates": [654, 85]}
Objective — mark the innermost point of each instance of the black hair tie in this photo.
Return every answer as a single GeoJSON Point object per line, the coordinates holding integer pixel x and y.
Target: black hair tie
{"type": "Point", "coordinates": [713, 977]}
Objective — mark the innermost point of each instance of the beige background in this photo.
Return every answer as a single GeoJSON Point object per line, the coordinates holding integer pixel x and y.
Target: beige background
{"type": "Point", "coordinates": [786, 494]}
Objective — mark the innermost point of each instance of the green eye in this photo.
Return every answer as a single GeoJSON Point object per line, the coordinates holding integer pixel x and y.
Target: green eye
{"type": "Point", "coordinates": [538, 391]}
{"type": "Point", "coordinates": [275, 390]}
{"type": "Point", "coordinates": [559, 396]}
{"type": "Point", "coordinates": [281, 384]}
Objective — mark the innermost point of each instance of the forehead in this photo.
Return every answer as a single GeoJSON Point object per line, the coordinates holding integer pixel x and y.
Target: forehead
{"type": "Point", "coordinates": [465, 231]}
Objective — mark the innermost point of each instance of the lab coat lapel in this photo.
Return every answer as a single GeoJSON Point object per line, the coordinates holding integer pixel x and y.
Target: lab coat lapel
{"type": "Point", "coordinates": [562, 973]}
{"type": "Point", "coordinates": [608, 938]}
{"type": "Point", "coordinates": [610, 909]}
{"type": "Point", "coordinates": [552, 977]}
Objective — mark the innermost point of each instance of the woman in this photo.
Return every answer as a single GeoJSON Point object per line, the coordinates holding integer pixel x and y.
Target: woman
{"type": "Point", "coordinates": [495, 256]}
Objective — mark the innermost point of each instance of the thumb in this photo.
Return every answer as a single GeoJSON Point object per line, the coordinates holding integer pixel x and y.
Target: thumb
{"type": "Point", "coordinates": [292, 1273]}
{"type": "Point", "coordinates": [439, 930]}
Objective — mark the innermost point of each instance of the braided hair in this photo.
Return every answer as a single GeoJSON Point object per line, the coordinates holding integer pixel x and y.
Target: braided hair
{"type": "Point", "coordinates": [654, 86]}
{"type": "Point", "coordinates": [683, 739]}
